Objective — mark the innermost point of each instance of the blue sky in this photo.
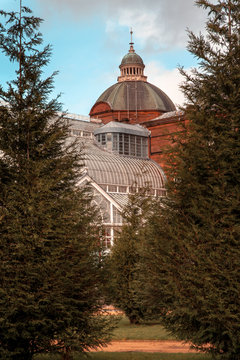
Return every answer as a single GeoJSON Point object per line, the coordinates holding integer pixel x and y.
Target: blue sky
{"type": "Point", "coordinates": [90, 37]}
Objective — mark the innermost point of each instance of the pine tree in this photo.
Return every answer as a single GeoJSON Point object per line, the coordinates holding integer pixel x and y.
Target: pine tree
{"type": "Point", "coordinates": [193, 244]}
{"type": "Point", "coordinates": [122, 285]}
{"type": "Point", "coordinates": [50, 275]}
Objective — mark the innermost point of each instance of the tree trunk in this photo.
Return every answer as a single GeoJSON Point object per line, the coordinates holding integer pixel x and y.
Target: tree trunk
{"type": "Point", "coordinates": [67, 354]}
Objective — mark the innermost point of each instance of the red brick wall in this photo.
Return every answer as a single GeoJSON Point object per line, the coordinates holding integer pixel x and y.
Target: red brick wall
{"type": "Point", "coordinates": [161, 138]}
{"type": "Point", "coordinates": [162, 130]}
{"type": "Point", "coordinates": [100, 108]}
{"type": "Point", "coordinates": [103, 111]}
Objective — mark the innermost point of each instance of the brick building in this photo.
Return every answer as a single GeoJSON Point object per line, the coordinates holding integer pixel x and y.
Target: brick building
{"type": "Point", "coordinates": [134, 100]}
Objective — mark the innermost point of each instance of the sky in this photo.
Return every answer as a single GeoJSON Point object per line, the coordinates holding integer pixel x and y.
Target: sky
{"type": "Point", "coordinates": [90, 37]}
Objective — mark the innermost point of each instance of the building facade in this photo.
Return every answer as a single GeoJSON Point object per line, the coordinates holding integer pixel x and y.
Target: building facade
{"type": "Point", "coordinates": [115, 164]}
{"type": "Point", "coordinates": [133, 100]}
{"type": "Point", "coordinates": [129, 126]}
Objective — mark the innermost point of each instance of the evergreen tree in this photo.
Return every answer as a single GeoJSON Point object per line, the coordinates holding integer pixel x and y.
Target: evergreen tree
{"type": "Point", "coordinates": [122, 264]}
{"type": "Point", "coordinates": [50, 276]}
{"type": "Point", "coordinates": [192, 269]}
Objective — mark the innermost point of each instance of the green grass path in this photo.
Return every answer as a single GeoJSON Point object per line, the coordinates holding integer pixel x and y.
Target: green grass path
{"type": "Point", "coordinates": [127, 331]}
{"type": "Point", "coordinates": [146, 331]}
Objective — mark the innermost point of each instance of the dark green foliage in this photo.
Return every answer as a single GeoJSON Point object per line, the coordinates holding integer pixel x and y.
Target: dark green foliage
{"type": "Point", "coordinates": [123, 261]}
{"type": "Point", "coordinates": [193, 243]}
{"type": "Point", "coordinates": [50, 276]}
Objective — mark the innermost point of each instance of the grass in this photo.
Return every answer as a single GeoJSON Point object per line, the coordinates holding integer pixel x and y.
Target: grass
{"type": "Point", "coordinates": [129, 356]}
{"type": "Point", "coordinates": [145, 331]}
{"type": "Point", "coordinates": [127, 331]}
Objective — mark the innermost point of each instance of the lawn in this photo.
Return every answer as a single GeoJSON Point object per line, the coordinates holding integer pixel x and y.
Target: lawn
{"type": "Point", "coordinates": [127, 331]}
{"type": "Point", "coordinates": [145, 331]}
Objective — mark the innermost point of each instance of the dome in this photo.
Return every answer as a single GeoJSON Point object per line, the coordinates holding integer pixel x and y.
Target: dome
{"type": "Point", "coordinates": [136, 95]}
{"type": "Point", "coordinates": [131, 58]}
{"type": "Point", "coordinates": [132, 98]}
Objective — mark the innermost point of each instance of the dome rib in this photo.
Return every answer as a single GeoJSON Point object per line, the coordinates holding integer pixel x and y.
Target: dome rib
{"type": "Point", "coordinates": [122, 96]}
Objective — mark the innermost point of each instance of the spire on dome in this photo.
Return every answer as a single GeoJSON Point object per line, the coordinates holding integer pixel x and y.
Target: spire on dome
{"type": "Point", "coordinates": [132, 66]}
{"type": "Point", "coordinates": [131, 50]}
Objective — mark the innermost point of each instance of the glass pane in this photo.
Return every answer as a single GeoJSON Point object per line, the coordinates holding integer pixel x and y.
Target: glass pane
{"type": "Point", "coordinates": [139, 147]}
{"type": "Point", "coordinates": [112, 188]}
{"type": "Point", "coordinates": [77, 132]}
{"type": "Point", "coordinates": [161, 192]}
{"type": "Point", "coordinates": [126, 144]}
{"type": "Point", "coordinates": [117, 217]}
{"type": "Point", "coordinates": [115, 142]}
{"type": "Point", "coordinates": [122, 189]}
{"type": "Point", "coordinates": [107, 238]}
{"type": "Point", "coordinates": [86, 134]}
{"type": "Point", "coordinates": [120, 143]}
{"type": "Point", "coordinates": [103, 139]}
{"type": "Point", "coordinates": [132, 145]}
{"type": "Point", "coordinates": [144, 147]}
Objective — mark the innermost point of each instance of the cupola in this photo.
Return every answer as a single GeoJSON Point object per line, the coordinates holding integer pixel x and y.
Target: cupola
{"type": "Point", "coordinates": [132, 66]}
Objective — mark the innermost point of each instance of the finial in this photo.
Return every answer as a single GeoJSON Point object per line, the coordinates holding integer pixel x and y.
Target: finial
{"type": "Point", "coordinates": [131, 43]}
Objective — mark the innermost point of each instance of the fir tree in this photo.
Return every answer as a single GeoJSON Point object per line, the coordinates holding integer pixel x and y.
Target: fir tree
{"type": "Point", "coordinates": [192, 259]}
{"type": "Point", "coordinates": [122, 264]}
{"type": "Point", "coordinates": [50, 277]}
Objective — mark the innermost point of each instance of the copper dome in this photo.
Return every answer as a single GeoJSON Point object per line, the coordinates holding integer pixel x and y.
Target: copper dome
{"type": "Point", "coordinates": [140, 95]}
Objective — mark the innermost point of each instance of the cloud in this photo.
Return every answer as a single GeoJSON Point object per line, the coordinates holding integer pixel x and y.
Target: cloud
{"type": "Point", "coordinates": [164, 24]}
{"type": "Point", "coordinates": [167, 80]}
{"type": "Point", "coordinates": [156, 23]}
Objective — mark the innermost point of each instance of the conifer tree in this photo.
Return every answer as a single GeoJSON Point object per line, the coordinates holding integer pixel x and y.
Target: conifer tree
{"type": "Point", "coordinates": [193, 244]}
{"type": "Point", "coordinates": [122, 264]}
{"type": "Point", "coordinates": [50, 277]}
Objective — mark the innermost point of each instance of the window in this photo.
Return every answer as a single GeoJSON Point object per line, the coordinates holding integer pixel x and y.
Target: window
{"type": "Point", "coordinates": [161, 192]}
{"type": "Point", "coordinates": [98, 138]}
{"type": "Point", "coordinates": [126, 144]}
{"type": "Point", "coordinates": [103, 139]}
{"type": "Point", "coordinates": [112, 188]}
{"type": "Point", "coordinates": [132, 145]}
{"type": "Point", "coordinates": [107, 237]}
{"type": "Point", "coordinates": [122, 189]}
{"type": "Point", "coordinates": [120, 144]}
{"type": "Point", "coordinates": [117, 217]}
{"type": "Point", "coordinates": [115, 142]}
{"type": "Point", "coordinates": [86, 134]}
{"type": "Point", "coordinates": [144, 147]}
{"type": "Point", "coordinates": [139, 147]}
{"type": "Point", "coordinates": [76, 132]}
